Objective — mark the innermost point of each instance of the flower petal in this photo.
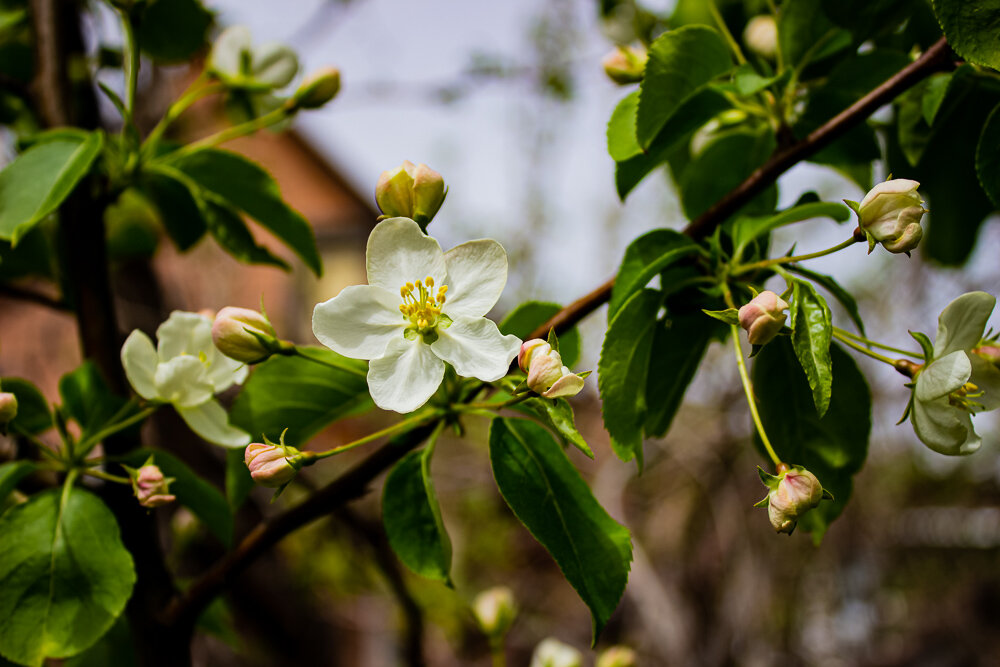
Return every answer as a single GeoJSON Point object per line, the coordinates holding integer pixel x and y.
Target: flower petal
{"type": "Point", "coordinates": [274, 64]}
{"type": "Point", "coordinates": [227, 52]}
{"type": "Point", "coordinates": [986, 376]}
{"type": "Point", "coordinates": [139, 361]}
{"type": "Point", "coordinates": [943, 376]}
{"type": "Point", "coordinates": [398, 252]}
{"type": "Point", "coordinates": [945, 429]}
{"type": "Point", "coordinates": [360, 322]}
{"type": "Point", "coordinates": [569, 384]}
{"type": "Point", "coordinates": [182, 381]}
{"type": "Point", "coordinates": [477, 273]}
{"type": "Point", "coordinates": [210, 421]}
{"type": "Point", "coordinates": [962, 322]}
{"type": "Point", "coordinates": [184, 333]}
{"type": "Point", "coordinates": [223, 372]}
{"type": "Point", "coordinates": [476, 348]}
{"type": "Point", "coordinates": [405, 377]}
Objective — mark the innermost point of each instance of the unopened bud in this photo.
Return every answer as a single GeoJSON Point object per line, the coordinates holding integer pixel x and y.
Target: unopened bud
{"type": "Point", "coordinates": [792, 493]}
{"type": "Point", "coordinates": [8, 408]}
{"type": "Point", "coordinates": [990, 353]}
{"type": "Point", "coordinates": [546, 374]}
{"type": "Point", "coordinates": [890, 214]}
{"type": "Point", "coordinates": [553, 653]}
{"type": "Point", "coordinates": [617, 656]}
{"type": "Point", "coordinates": [495, 610]}
{"type": "Point", "coordinates": [762, 317]}
{"type": "Point", "coordinates": [410, 191]}
{"type": "Point", "coordinates": [244, 335]}
{"type": "Point", "coordinates": [271, 465]}
{"type": "Point", "coordinates": [150, 486]}
{"type": "Point", "coordinates": [318, 88]}
{"type": "Point", "coordinates": [761, 36]}
{"type": "Point", "coordinates": [625, 65]}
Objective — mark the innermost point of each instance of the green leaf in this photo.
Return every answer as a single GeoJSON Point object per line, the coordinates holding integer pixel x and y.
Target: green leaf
{"type": "Point", "coordinates": [301, 395]}
{"type": "Point", "coordinates": [692, 114]}
{"type": "Point", "coordinates": [532, 314]}
{"type": "Point", "coordinates": [925, 345]}
{"type": "Point", "coordinates": [232, 235]}
{"type": "Point", "coordinates": [622, 372]}
{"type": "Point", "coordinates": [622, 143]}
{"type": "Point", "coordinates": [548, 496]}
{"type": "Point", "coordinates": [177, 208]}
{"type": "Point", "coordinates": [172, 31]}
{"type": "Point", "coordinates": [33, 256]}
{"type": "Point", "coordinates": [115, 648]}
{"type": "Point", "coordinates": [37, 182]}
{"type": "Point", "coordinates": [988, 157]}
{"type": "Point", "coordinates": [839, 293]}
{"type": "Point", "coordinates": [934, 92]}
{"type": "Point", "coordinates": [833, 447]}
{"type": "Point", "coordinates": [204, 500]}
{"type": "Point", "coordinates": [681, 62]}
{"type": "Point", "coordinates": [971, 29]}
{"type": "Point", "coordinates": [724, 164]}
{"type": "Point", "coordinates": [557, 415]}
{"type": "Point", "coordinates": [679, 343]}
{"type": "Point", "coordinates": [747, 228]}
{"type": "Point", "coordinates": [748, 81]}
{"type": "Point", "coordinates": [65, 575]}
{"type": "Point", "coordinates": [812, 329]}
{"type": "Point", "coordinates": [412, 518]}
{"type": "Point", "coordinates": [88, 399]}
{"type": "Point", "coordinates": [804, 32]}
{"type": "Point", "coordinates": [728, 316]}
{"type": "Point", "coordinates": [11, 474]}
{"type": "Point", "coordinates": [644, 258]}
{"type": "Point", "coordinates": [33, 414]}
{"type": "Point", "coordinates": [248, 187]}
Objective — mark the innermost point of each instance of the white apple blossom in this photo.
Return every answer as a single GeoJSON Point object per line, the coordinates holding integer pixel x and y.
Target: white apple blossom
{"type": "Point", "coordinates": [421, 308]}
{"type": "Point", "coordinates": [956, 383]}
{"type": "Point", "coordinates": [186, 370]}
{"type": "Point", "coordinates": [551, 652]}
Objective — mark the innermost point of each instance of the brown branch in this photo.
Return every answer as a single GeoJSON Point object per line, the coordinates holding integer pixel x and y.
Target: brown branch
{"type": "Point", "coordinates": [352, 484]}
{"type": "Point", "coordinates": [31, 296]}
{"type": "Point", "coordinates": [936, 58]}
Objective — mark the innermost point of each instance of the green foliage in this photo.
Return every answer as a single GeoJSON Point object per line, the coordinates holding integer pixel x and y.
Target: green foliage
{"type": "Point", "coordinates": [114, 648]}
{"type": "Point", "coordinates": [622, 142]}
{"type": "Point", "coordinates": [988, 157]}
{"type": "Point", "coordinates": [746, 228]}
{"type": "Point", "coordinates": [300, 395]}
{"type": "Point", "coordinates": [37, 182]}
{"type": "Point", "coordinates": [178, 212]}
{"type": "Point", "coordinates": [805, 33]}
{"type": "Point", "coordinates": [412, 517]}
{"type": "Point", "coordinates": [172, 31]}
{"type": "Point", "coordinates": [557, 415]}
{"type": "Point", "coordinates": [88, 399]}
{"type": "Point", "coordinates": [833, 447]}
{"type": "Point", "coordinates": [681, 62]}
{"type": "Point", "coordinates": [203, 499]}
{"type": "Point", "coordinates": [532, 314]}
{"type": "Point", "coordinates": [839, 293]}
{"type": "Point", "coordinates": [33, 256]}
{"type": "Point", "coordinates": [65, 575]}
{"type": "Point", "coordinates": [971, 29]}
{"type": "Point", "coordinates": [11, 474]}
{"type": "Point", "coordinates": [812, 329]}
{"type": "Point", "coordinates": [33, 414]}
{"type": "Point", "coordinates": [548, 496]}
{"type": "Point", "coordinates": [723, 165]}
{"type": "Point", "coordinates": [231, 233]}
{"type": "Point", "coordinates": [246, 186]}
{"type": "Point", "coordinates": [644, 258]}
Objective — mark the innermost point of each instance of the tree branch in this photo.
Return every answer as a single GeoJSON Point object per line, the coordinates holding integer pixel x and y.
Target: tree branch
{"type": "Point", "coordinates": [936, 58]}
{"type": "Point", "coordinates": [24, 294]}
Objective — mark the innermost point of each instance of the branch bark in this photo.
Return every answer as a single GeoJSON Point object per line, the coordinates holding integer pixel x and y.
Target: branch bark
{"type": "Point", "coordinates": [936, 58]}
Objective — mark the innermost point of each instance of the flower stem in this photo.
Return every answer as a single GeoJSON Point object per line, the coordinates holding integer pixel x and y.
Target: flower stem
{"type": "Point", "coordinates": [297, 352]}
{"type": "Point", "coordinates": [43, 448]}
{"type": "Point", "coordinates": [88, 443]}
{"type": "Point", "coordinates": [131, 64]}
{"type": "Point", "coordinates": [837, 333]}
{"type": "Point", "coordinates": [108, 477]}
{"type": "Point", "coordinates": [497, 652]}
{"type": "Point", "coordinates": [724, 29]}
{"type": "Point", "coordinates": [401, 427]}
{"type": "Point", "coordinates": [249, 127]}
{"type": "Point", "coordinates": [502, 404]}
{"type": "Point", "coordinates": [777, 261]}
{"type": "Point", "coordinates": [881, 346]}
{"type": "Point", "coordinates": [195, 92]}
{"type": "Point", "coordinates": [748, 390]}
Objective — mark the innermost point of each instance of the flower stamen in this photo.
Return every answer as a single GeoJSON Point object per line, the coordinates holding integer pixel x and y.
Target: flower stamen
{"type": "Point", "coordinates": [421, 306]}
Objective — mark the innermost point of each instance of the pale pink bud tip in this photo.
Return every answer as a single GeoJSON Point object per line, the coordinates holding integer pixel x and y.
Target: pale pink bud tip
{"type": "Point", "coordinates": [151, 487]}
{"type": "Point", "coordinates": [244, 335]}
{"type": "Point", "coordinates": [762, 317]}
{"type": "Point", "coordinates": [8, 407]}
{"type": "Point", "coordinates": [495, 611]}
{"type": "Point", "coordinates": [318, 88]}
{"type": "Point", "coordinates": [268, 464]}
{"type": "Point", "coordinates": [617, 656]}
{"type": "Point", "coordinates": [625, 65]}
{"type": "Point", "coordinates": [890, 213]}
{"type": "Point", "coordinates": [798, 492]}
{"type": "Point", "coordinates": [546, 374]}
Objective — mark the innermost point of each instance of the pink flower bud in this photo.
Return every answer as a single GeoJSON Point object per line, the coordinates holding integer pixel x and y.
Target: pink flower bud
{"type": "Point", "coordinates": [890, 214]}
{"type": "Point", "coordinates": [244, 335]}
{"type": "Point", "coordinates": [546, 374]}
{"type": "Point", "coordinates": [269, 464]}
{"type": "Point", "coordinates": [150, 486]}
{"type": "Point", "coordinates": [625, 65]}
{"type": "Point", "coordinates": [8, 407]}
{"type": "Point", "coordinates": [797, 492]}
{"type": "Point", "coordinates": [410, 191]}
{"type": "Point", "coordinates": [763, 318]}
{"type": "Point", "coordinates": [990, 353]}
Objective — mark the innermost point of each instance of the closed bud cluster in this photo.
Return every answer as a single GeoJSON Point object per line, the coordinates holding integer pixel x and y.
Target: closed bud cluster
{"type": "Point", "coordinates": [625, 65]}
{"type": "Point", "coordinates": [792, 493]}
{"type": "Point", "coordinates": [150, 486]}
{"type": "Point", "coordinates": [8, 408]}
{"type": "Point", "coordinates": [270, 464]}
{"type": "Point", "coordinates": [318, 88]}
{"type": "Point", "coordinates": [410, 191]}
{"type": "Point", "coordinates": [546, 374]}
{"type": "Point", "coordinates": [763, 318]}
{"type": "Point", "coordinates": [553, 653]}
{"type": "Point", "coordinates": [244, 335]}
{"type": "Point", "coordinates": [761, 36]}
{"type": "Point", "coordinates": [495, 611]}
{"type": "Point", "coordinates": [890, 214]}
{"type": "Point", "coordinates": [617, 656]}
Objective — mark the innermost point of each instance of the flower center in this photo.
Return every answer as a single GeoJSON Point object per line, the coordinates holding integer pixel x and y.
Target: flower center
{"type": "Point", "coordinates": [422, 307]}
{"type": "Point", "coordinates": [962, 398]}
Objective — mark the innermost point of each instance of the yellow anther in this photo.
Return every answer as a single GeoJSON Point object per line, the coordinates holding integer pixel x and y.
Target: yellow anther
{"type": "Point", "coordinates": [430, 281]}
{"type": "Point", "coordinates": [409, 287]}
{"type": "Point", "coordinates": [403, 292]}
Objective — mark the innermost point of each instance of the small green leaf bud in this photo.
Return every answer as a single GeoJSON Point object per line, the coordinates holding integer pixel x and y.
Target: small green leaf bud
{"type": "Point", "coordinates": [626, 64]}
{"type": "Point", "coordinates": [761, 36]}
{"type": "Point", "coordinates": [270, 464]}
{"type": "Point", "coordinates": [762, 317]}
{"type": "Point", "coordinates": [244, 335]}
{"type": "Point", "coordinates": [553, 653]}
{"type": "Point", "coordinates": [890, 214]}
{"type": "Point", "coordinates": [410, 191]}
{"type": "Point", "coordinates": [495, 611]}
{"type": "Point", "coordinates": [617, 656]}
{"type": "Point", "coordinates": [8, 408]}
{"type": "Point", "coordinates": [318, 88]}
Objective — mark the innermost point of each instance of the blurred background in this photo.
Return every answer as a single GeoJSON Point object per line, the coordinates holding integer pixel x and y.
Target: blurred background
{"type": "Point", "coordinates": [509, 102]}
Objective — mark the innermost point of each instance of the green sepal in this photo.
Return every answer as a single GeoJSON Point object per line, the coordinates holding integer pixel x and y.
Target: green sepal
{"type": "Point", "coordinates": [769, 480]}
{"type": "Point", "coordinates": [925, 344]}
{"type": "Point", "coordinates": [729, 315]}
{"type": "Point", "coordinates": [553, 340]}
{"type": "Point", "coordinates": [763, 502]}
{"type": "Point", "coordinates": [854, 206]}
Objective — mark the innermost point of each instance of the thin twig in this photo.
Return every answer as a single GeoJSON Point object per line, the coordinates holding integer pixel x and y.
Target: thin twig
{"type": "Point", "coordinates": [936, 58]}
